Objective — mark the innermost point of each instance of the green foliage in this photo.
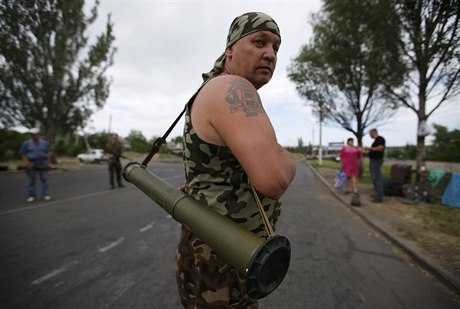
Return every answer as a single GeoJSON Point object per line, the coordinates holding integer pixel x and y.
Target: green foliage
{"type": "Point", "coordinates": [164, 150]}
{"type": "Point", "coordinates": [431, 43]}
{"type": "Point", "coordinates": [300, 148]}
{"type": "Point", "coordinates": [44, 76]}
{"type": "Point", "coordinates": [446, 145]}
{"type": "Point", "coordinates": [295, 149]}
{"type": "Point", "coordinates": [402, 153]}
{"type": "Point", "coordinates": [10, 142]}
{"type": "Point", "coordinates": [394, 153]}
{"type": "Point", "coordinates": [445, 148]}
{"type": "Point", "coordinates": [354, 57]}
{"type": "Point", "coordinates": [177, 139]}
{"type": "Point", "coordinates": [73, 150]}
{"type": "Point", "coordinates": [410, 152]}
{"type": "Point", "coordinates": [138, 142]}
{"type": "Point", "coordinates": [64, 148]}
{"type": "Point", "coordinates": [99, 140]}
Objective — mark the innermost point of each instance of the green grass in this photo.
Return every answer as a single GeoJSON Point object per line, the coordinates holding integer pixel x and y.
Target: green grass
{"type": "Point", "coordinates": [65, 162]}
{"type": "Point", "coordinates": [442, 218]}
{"type": "Point", "coordinates": [62, 162]}
{"type": "Point", "coordinates": [437, 217]}
{"type": "Point", "coordinates": [132, 155]}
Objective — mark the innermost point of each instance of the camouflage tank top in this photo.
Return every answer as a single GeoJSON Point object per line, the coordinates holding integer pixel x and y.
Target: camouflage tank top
{"type": "Point", "coordinates": [215, 178]}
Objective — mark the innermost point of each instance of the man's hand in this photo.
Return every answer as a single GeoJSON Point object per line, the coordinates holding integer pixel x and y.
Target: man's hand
{"type": "Point", "coordinates": [183, 188]}
{"type": "Point", "coordinates": [29, 165]}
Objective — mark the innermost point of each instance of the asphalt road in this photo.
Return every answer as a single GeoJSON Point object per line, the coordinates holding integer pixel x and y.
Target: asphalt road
{"type": "Point", "coordinates": [92, 247]}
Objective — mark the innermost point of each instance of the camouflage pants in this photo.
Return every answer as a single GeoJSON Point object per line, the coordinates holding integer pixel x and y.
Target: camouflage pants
{"type": "Point", "coordinates": [205, 280]}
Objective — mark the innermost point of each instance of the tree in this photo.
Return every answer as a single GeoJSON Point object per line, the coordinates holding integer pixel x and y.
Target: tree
{"type": "Point", "coordinates": [431, 44]}
{"type": "Point", "coordinates": [10, 142]}
{"type": "Point", "coordinates": [100, 139]}
{"type": "Point", "coordinates": [354, 57]}
{"type": "Point", "coordinates": [300, 143]}
{"type": "Point", "coordinates": [44, 77]}
{"type": "Point", "coordinates": [446, 145]}
{"type": "Point", "coordinates": [178, 139]}
{"type": "Point", "coordinates": [138, 141]}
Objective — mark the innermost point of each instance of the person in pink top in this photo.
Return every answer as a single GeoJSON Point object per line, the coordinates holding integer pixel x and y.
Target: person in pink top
{"type": "Point", "coordinates": [350, 156]}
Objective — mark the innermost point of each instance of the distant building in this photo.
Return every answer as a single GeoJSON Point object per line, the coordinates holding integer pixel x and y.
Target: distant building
{"type": "Point", "coordinates": [335, 146]}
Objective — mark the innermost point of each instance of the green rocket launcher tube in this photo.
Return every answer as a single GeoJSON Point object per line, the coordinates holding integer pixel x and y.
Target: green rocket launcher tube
{"type": "Point", "coordinates": [263, 262]}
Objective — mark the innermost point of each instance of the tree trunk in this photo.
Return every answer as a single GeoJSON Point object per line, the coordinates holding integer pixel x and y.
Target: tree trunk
{"type": "Point", "coordinates": [420, 152]}
{"type": "Point", "coordinates": [420, 159]}
{"type": "Point", "coordinates": [359, 128]}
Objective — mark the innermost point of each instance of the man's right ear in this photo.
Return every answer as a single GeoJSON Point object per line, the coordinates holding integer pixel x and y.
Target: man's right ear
{"type": "Point", "coordinates": [229, 52]}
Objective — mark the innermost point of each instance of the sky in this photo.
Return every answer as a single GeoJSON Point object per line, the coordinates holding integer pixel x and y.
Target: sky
{"type": "Point", "coordinates": [163, 47]}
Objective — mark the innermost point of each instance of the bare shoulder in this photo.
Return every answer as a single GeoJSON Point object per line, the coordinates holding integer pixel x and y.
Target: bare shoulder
{"type": "Point", "coordinates": [234, 93]}
{"type": "Point", "coordinates": [229, 113]}
{"type": "Point", "coordinates": [227, 110]}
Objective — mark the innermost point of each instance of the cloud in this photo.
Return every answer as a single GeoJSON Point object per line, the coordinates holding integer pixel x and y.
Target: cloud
{"type": "Point", "coordinates": [164, 46]}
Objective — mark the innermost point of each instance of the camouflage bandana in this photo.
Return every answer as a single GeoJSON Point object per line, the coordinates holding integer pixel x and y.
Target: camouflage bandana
{"type": "Point", "coordinates": [242, 26]}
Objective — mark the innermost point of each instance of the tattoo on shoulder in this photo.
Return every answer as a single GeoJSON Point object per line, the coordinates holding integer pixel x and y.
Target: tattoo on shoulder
{"type": "Point", "coordinates": [242, 97]}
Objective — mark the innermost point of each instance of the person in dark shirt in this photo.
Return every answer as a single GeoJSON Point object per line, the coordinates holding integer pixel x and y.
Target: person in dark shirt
{"type": "Point", "coordinates": [376, 154]}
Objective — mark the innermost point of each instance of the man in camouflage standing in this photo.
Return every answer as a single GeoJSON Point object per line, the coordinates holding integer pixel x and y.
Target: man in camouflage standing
{"type": "Point", "coordinates": [229, 144]}
{"type": "Point", "coordinates": [114, 149]}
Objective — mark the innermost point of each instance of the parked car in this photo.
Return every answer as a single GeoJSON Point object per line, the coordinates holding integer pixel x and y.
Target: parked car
{"type": "Point", "coordinates": [92, 156]}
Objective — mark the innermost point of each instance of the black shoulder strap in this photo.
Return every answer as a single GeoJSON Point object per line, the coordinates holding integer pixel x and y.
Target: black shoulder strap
{"type": "Point", "coordinates": [161, 140]}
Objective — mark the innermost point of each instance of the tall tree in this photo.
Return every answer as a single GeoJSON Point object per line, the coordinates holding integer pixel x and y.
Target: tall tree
{"type": "Point", "coordinates": [354, 57]}
{"type": "Point", "coordinates": [48, 73]}
{"type": "Point", "coordinates": [431, 44]}
{"type": "Point", "coordinates": [446, 145]}
{"type": "Point", "coordinates": [138, 141]}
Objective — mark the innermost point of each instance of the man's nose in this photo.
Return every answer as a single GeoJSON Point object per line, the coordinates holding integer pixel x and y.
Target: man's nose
{"type": "Point", "coordinates": [270, 53]}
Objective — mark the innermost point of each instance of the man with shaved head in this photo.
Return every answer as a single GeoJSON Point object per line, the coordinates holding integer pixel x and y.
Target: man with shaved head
{"type": "Point", "coordinates": [230, 144]}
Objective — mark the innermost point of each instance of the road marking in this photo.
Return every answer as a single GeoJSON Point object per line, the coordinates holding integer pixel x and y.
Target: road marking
{"type": "Point", "coordinates": [111, 245]}
{"type": "Point", "coordinates": [49, 276]}
{"type": "Point", "coordinates": [54, 202]}
{"type": "Point", "coordinates": [46, 204]}
{"type": "Point", "coordinates": [52, 274]}
{"type": "Point", "coordinates": [147, 227]}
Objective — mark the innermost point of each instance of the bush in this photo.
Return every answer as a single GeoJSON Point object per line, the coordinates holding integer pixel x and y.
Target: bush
{"type": "Point", "coordinates": [10, 143]}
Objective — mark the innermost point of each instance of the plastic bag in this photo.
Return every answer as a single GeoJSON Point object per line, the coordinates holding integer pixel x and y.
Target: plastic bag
{"type": "Point", "coordinates": [423, 129]}
{"type": "Point", "coordinates": [340, 179]}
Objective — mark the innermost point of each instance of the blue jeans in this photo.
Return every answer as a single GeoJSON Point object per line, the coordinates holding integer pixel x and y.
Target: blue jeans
{"type": "Point", "coordinates": [376, 174]}
{"type": "Point", "coordinates": [32, 175]}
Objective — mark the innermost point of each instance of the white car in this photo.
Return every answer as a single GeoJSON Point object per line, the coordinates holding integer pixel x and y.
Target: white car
{"type": "Point", "coordinates": [92, 156]}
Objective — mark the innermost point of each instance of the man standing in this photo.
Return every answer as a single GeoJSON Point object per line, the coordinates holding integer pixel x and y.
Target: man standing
{"type": "Point", "coordinates": [114, 150]}
{"type": "Point", "coordinates": [376, 154]}
{"type": "Point", "coordinates": [36, 153]}
{"type": "Point", "coordinates": [230, 145]}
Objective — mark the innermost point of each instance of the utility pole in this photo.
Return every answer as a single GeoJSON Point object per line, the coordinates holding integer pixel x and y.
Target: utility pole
{"type": "Point", "coordinates": [85, 136]}
{"type": "Point", "coordinates": [320, 151]}
{"type": "Point", "coordinates": [313, 144]}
